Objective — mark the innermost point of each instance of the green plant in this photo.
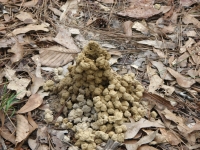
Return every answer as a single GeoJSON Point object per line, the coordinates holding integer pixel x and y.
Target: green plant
{"type": "Point", "coordinates": [7, 100]}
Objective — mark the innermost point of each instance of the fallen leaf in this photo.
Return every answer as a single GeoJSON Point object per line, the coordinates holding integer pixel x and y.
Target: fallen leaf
{"type": "Point", "coordinates": [162, 70]}
{"type": "Point", "coordinates": [155, 81]}
{"type": "Point", "coordinates": [22, 129]}
{"type": "Point", "coordinates": [32, 143]}
{"type": "Point", "coordinates": [30, 3]}
{"type": "Point", "coordinates": [32, 124]}
{"type": "Point", "coordinates": [176, 119]}
{"type": "Point", "coordinates": [127, 26]}
{"type": "Point", "coordinates": [143, 140]}
{"type": "Point", "coordinates": [55, 11]}
{"type": "Point", "coordinates": [182, 60]}
{"type": "Point", "coordinates": [188, 3]}
{"type": "Point", "coordinates": [145, 147]}
{"type": "Point", "coordinates": [181, 80]}
{"type": "Point", "coordinates": [141, 11]}
{"type": "Point", "coordinates": [171, 136]}
{"type": "Point", "coordinates": [37, 83]}
{"type": "Point", "coordinates": [56, 56]}
{"type": "Point", "coordinates": [113, 60]}
{"type": "Point", "coordinates": [26, 17]}
{"type": "Point", "coordinates": [64, 38]}
{"type": "Point", "coordinates": [30, 27]}
{"type": "Point", "coordinates": [168, 89]}
{"type": "Point", "coordinates": [139, 26]}
{"type": "Point", "coordinates": [187, 19]}
{"type": "Point", "coordinates": [33, 102]}
{"type": "Point", "coordinates": [133, 128]}
{"type": "Point", "coordinates": [18, 51]}
{"type": "Point", "coordinates": [5, 133]}
{"type": "Point", "coordinates": [192, 73]}
{"type": "Point", "coordinates": [159, 53]}
{"type": "Point", "coordinates": [19, 85]}
{"type": "Point", "coordinates": [188, 44]}
{"type": "Point", "coordinates": [158, 44]}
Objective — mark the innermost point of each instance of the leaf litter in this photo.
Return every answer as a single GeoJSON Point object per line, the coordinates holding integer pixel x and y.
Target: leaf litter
{"type": "Point", "coordinates": [158, 41]}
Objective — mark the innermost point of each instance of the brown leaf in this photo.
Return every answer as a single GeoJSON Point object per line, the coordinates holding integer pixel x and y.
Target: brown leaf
{"type": "Point", "coordinates": [188, 3]}
{"type": "Point", "coordinates": [128, 28]}
{"type": "Point", "coordinates": [33, 102]}
{"type": "Point", "coordinates": [56, 56]}
{"type": "Point", "coordinates": [143, 140]}
{"type": "Point", "coordinates": [145, 147]}
{"type": "Point", "coordinates": [159, 53]}
{"type": "Point", "coordinates": [2, 117]}
{"type": "Point", "coordinates": [18, 51]}
{"type": "Point", "coordinates": [26, 17]}
{"type": "Point", "coordinates": [5, 133]}
{"type": "Point", "coordinates": [37, 83]}
{"type": "Point", "coordinates": [141, 26]}
{"type": "Point", "coordinates": [30, 27]}
{"type": "Point", "coordinates": [22, 130]}
{"type": "Point", "coordinates": [19, 85]}
{"type": "Point", "coordinates": [158, 44]}
{"type": "Point", "coordinates": [32, 124]}
{"type": "Point", "coordinates": [64, 38]}
{"type": "Point", "coordinates": [142, 11]}
{"type": "Point", "coordinates": [181, 80]}
{"type": "Point", "coordinates": [133, 128]}
{"type": "Point", "coordinates": [187, 19]}
{"type": "Point", "coordinates": [162, 70]}
{"type": "Point", "coordinates": [30, 3]}
{"type": "Point", "coordinates": [171, 137]}
{"type": "Point", "coordinates": [178, 120]}
{"type": "Point", "coordinates": [155, 81]}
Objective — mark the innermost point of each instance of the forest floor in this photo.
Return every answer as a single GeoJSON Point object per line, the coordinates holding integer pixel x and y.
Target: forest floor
{"type": "Point", "coordinates": [157, 40]}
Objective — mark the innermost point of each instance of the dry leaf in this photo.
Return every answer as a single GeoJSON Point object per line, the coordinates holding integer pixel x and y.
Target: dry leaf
{"type": "Point", "coordinates": [30, 27]}
{"type": "Point", "coordinates": [147, 147]}
{"type": "Point", "coordinates": [30, 3]}
{"type": "Point", "coordinates": [142, 11]}
{"type": "Point", "coordinates": [178, 120]}
{"type": "Point", "coordinates": [187, 19]}
{"type": "Point", "coordinates": [5, 133]}
{"type": "Point", "coordinates": [181, 80]}
{"type": "Point", "coordinates": [64, 38]}
{"type": "Point", "coordinates": [162, 70]}
{"type": "Point", "coordinates": [33, 102]}
{"type": "Point", "coordinates": [56, 56]}
{"type": "Point", "coordinates": [18, 51]}
{"type": "Point", "coordinates": [113, 60]}
{"type": "Point", "coordinates": [188, 3]}
{"type": "Point", "coordinates": [143, 140]}
{"type": "Point", "coordinates": [55, 11]}
{"type": "Point", "coordinates": [19, 85]}
{"type": "Point", "coordinates": [182, 60]}
{"type": "Point", "coordinates": [36, 59]}
{"type": "Point", "coordinates": [192, 73]}
{"type": "Point", "coordinates": [127, 26]}
{"type": "Point", "coordinates": [188, 44]}
{"type": "Point", "coordinates": [22, 129]}
{"type": "Point", "coordinates": [141, 27]}
{"type": "Point", "coordinates": [37, 83]}
{"type": "Point", "coordinates": [26, 17]}
{"type": "Point", "coordinates": [32, 124]}
{"type": "Point", "coordinates": [158, 44]}
{"type": "Point", "coordinates": [171, 137]}
{"type": "Point", "coordinates": [155, 81]}
{"type": "Point", "coordinates": [70, 5]}
{"type": "Point", "coordinates": [32, 143]}
{"type": "Point", "coordinates": [159, 53]}
{"type": "Point", "coordinates": [134, 127]}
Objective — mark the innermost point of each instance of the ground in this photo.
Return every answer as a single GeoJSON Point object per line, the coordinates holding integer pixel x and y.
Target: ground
{"type": "Point", "coordinates": [157, 40]}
